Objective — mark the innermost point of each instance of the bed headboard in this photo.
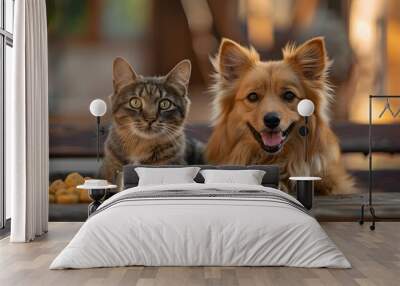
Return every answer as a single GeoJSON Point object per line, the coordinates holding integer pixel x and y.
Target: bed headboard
{"type": "Point", "coordinates": [271, 177]}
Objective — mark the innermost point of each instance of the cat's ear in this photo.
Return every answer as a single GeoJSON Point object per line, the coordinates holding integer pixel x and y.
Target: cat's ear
{"type": "Point", "coordinates": [123, 73]}
{"type": "Point", "coordinates": [310, 59]}
{"type": "Point", "coordinates": [233, 59]}
{"type": "Point", "coordinates": [180, 73]}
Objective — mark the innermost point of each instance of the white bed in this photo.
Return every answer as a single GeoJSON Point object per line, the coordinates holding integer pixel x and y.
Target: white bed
{"type": "Point", "coordinates": [246, 225]}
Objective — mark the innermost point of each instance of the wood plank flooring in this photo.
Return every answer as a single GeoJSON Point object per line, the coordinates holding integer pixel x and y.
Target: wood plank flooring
{"type": "Point", "coordinates": [375, 257]}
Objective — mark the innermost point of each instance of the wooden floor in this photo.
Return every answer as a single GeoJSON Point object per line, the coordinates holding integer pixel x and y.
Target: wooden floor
{"type": "Point", "coordinates": [375, 257]}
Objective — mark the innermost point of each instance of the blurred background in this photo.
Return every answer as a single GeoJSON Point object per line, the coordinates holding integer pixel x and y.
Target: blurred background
{"type": "Point", "coordinates": [362, 37]}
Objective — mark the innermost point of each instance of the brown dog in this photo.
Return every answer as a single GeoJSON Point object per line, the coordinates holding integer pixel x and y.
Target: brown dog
{"type": "Point", "coordinates": [255, 115]}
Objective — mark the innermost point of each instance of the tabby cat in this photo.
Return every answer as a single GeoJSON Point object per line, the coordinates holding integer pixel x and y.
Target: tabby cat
{"type": "Point", "coordinates": [148, 117]}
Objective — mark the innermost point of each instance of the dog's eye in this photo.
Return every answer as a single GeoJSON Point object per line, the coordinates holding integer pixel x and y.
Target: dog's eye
{"type": "Point", "coordinates": [135, 103]}
{"type": "Point", "coordinates": [252, 97]}
{"type": "Point", "coordinates": [288, 96]}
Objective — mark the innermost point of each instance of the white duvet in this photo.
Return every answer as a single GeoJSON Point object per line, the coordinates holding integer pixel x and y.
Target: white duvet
{"type": "Point", "coordinates": [190, 231]}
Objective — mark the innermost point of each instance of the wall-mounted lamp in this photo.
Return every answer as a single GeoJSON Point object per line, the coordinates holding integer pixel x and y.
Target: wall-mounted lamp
{"type": "Point", "coordinates": [305, 185]}
{"type": "Point", "coordinates": [98, 108]}
{"type": "Point", "coordinates": [305, 108]}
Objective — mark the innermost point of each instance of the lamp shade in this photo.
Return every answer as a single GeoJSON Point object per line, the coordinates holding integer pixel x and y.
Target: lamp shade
{"type": "Point", "coordinates": [305, 107]}
{"type": "Point", "coordinates": [98, 107]}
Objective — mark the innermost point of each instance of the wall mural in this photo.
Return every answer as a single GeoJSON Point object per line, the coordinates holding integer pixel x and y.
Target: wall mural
{"type": "Point", "coordinates": [207, 85]}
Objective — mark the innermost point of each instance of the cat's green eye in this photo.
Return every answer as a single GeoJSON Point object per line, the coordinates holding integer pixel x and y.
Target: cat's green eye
{"type": "Point", "coordinates": [165, 104]}
{"type": "Point", "coordinates": [135, 103]}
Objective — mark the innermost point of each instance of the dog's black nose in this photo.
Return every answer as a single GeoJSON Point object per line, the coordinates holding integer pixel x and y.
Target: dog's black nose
{"type": "Point", "coordinates": [272, 120]}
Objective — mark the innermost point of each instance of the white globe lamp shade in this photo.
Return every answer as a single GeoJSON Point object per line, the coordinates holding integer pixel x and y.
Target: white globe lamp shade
{"type": "Point", "coordinates": [305, 107]}
{"type": "Point", "coordinates": [98, 107]}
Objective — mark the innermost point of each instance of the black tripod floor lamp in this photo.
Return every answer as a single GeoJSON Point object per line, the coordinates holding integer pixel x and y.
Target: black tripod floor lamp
{"type": "Point", "coordinates": [387, 109]}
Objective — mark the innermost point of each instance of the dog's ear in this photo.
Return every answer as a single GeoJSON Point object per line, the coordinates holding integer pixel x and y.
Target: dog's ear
{"type": "Point", "coordinates": [123, 73]}
{"type": "Point", "coordinates": [233, 59]}
{"type": "Point", "coordinates": [310, 59]}
{"type": "Point", "coordinates": [180, 74]}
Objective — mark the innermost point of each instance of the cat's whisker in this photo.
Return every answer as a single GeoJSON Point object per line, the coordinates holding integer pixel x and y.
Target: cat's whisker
{"type": "Point", "coordinates": [170, 131]}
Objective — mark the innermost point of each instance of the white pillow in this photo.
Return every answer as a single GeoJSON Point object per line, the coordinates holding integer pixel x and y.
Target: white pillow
{"type": "Point", "coordinates": [248, 177]}
{"type": "Point", "coordinates": [164, 176]}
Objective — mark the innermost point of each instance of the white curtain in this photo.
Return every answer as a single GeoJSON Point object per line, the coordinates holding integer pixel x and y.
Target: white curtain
{"type": "Point", "coordinates": [27, 124]}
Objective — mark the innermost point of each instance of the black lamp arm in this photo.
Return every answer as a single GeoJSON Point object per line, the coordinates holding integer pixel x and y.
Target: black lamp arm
{"type": "Point", "coordinates": [98, 137]}
{"type": "Point", "coordinates": [304, 133]}
{"type": "Point", "coordinates": [306, 139]}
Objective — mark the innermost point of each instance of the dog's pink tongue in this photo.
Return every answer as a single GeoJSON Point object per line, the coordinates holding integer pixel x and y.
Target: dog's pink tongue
{"type": "Point", "coordinates": [271, 139]}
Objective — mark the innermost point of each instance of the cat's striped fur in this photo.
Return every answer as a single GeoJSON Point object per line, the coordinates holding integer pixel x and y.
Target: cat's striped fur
{"type": "Point", "coordinates": [148, 117]}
